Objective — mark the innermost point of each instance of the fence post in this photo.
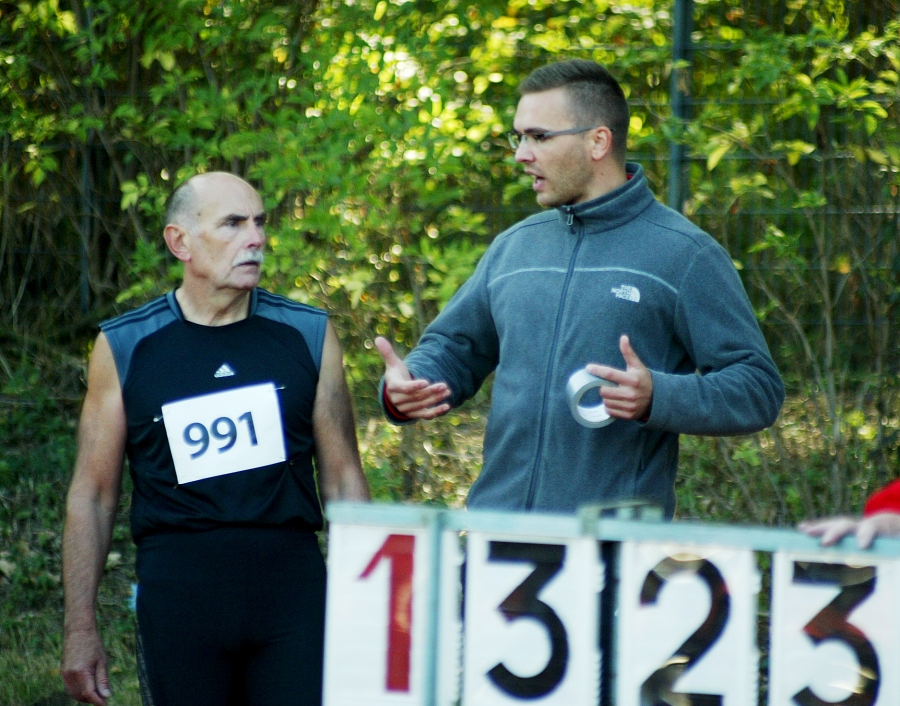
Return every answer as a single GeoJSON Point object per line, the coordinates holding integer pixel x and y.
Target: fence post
{"type": "Point", "coordinates": [679, 97]}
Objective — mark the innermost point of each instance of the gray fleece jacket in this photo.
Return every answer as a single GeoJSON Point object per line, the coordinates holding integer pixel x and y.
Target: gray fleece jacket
{"type": "Point", "coordinates": [554, 293]}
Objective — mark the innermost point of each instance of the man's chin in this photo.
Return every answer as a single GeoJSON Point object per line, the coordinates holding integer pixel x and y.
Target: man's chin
{"type": "Point", "coordinates": [547, 201]}
{"type": "Point", "coordinates": [247, 282]}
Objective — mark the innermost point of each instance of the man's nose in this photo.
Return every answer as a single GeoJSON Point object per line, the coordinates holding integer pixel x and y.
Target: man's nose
{"type": "Point", "coordinates": [524, 153]}
{"type": "Point", "coordinates": [257, 236]}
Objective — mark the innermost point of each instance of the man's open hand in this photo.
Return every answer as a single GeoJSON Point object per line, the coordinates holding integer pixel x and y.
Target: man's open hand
{"type": "Point", "coordinates": [416, 399]}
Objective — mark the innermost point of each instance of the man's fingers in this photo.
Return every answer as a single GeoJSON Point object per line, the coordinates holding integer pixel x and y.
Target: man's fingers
{"type": "Point", "coordinates": [419, 399]}
{"type": "Point", "coordinates": [631, 358]}
{"type": "Point", "coordinates": [387, 352]}
{"type": "Point", "coordinates": [829, 531]}
{"type": "Point", "coordinates": [81, 686]}
{"type": "Point", "coordinates": [102, 678]}
{"type": "Point", "coordinates": [865, 534]}
{"type": "Point", "coordinates": [837, 531]}
{"type": "Point", "coordinates": [429, 412]}
{"type": "Point", "coordinates": [620, 377]}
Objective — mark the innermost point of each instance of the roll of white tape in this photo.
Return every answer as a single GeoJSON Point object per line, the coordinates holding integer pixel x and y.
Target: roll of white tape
{"type": "Point", "coordinates": [592, 416]}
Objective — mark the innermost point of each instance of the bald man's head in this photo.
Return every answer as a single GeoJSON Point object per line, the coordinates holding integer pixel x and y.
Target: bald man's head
{"type": "Point", "coordinates": [186, 202]}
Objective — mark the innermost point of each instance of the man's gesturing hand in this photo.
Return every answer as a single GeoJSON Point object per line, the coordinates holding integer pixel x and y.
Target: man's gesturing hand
{"type": "Point", "coordinates": [415, 399]}
{"type": "Point", "coordinates": [632, 398]}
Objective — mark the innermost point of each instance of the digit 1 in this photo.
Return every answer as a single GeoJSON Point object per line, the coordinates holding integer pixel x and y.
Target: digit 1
{"type": "Point", "coordinates": [523, 603]}
{"type": "Point", "coordinates": [658, 687]}
{"type": "Point", "coordinates": [398, 549]}
{"type": "Point", "coordinates": [248, 417]}
{"type": "Point", "coordinates": [857, 583]}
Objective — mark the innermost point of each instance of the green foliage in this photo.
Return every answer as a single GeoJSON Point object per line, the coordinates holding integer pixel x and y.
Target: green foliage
{"type": "Point", "coordinates": [805, 196]}
{"type": "Point", "coordinates": [39, 402]}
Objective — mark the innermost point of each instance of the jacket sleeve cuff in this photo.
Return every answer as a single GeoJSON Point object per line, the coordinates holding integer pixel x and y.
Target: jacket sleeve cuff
{"type": "Point", "coordinates": [393, 415]}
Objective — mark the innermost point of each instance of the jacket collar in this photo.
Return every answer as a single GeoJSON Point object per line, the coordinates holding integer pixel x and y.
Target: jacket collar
{"type": "Point", "coordinates": [612, 210]}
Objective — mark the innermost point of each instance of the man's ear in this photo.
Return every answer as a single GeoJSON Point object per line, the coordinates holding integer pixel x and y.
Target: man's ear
{"type": "Point", "coordinates": [602, 143]}
{"type": "Point", "coordinates": [178, 241]}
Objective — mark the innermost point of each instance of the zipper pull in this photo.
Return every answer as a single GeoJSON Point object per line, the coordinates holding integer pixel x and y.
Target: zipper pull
{"type": "Point", "coordinates": [571, 219]}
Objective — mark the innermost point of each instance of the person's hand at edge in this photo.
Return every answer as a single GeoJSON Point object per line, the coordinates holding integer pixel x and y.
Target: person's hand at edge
{"type": "Point", "coordinates": [634, 394]}
{"type": "Point", "coordinates": [832, 530]}
{"type": "Point", "coordinates": [416, 399]}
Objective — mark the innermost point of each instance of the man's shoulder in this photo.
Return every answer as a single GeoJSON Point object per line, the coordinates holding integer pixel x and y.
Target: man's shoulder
{"type": "Point", "coordinates": [671, 222]}
{"type": "Point", "coordinates": [267, 302]}
{"type": "Point", "coordinates": [526, 227]}
{"type": "Point", "coordinates": [154, 311]}
{"type": "Point", "coordinates": [125, 332]}
{"type": "Point", "coordinates": [309, 320]}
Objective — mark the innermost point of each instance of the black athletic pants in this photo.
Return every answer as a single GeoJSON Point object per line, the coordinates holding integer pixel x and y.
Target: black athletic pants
{"type": "Point", "coordinates": [231, 617]}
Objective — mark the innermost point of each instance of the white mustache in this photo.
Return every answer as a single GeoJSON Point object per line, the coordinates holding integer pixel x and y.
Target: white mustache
{"type": "Point", "coordinates": [254, 257]}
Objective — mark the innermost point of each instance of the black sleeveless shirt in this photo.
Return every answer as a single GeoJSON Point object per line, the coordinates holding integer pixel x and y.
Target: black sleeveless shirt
{"type": "Point", "coordinates": [161, 359]}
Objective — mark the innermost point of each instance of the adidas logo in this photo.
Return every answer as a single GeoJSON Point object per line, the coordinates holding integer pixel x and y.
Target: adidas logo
{"type": "Point", "coordinates": [224, 371]}
{"type": "Point", "coordinates": [627, 292]}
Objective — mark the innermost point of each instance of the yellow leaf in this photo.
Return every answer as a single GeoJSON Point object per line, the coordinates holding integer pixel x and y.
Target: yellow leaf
{"type": "Point", "coordinates": [504, 22]}
{"type": "Point", "coordinates": [380, 9]}
{"type": "Point", "coordinates": [716, 156]}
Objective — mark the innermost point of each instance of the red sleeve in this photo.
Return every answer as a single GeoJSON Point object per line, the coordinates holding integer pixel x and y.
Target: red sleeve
{"type": "Point", "coordinates": [885, 500]}
{"type": "Point", "coordinates": [393, 411]}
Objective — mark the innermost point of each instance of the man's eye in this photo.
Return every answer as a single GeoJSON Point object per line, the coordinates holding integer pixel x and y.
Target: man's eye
{"type": "Point", "coordinates": [537, 136]}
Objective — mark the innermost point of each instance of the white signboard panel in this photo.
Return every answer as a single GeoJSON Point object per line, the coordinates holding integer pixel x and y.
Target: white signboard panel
{"type": "Point", "coordinates": [686, 630]}
{"type": "Point", "coordinates": [835, 631]}
{"type": "Point", "coordinates": [376, 615]}
{"type": "Point", "coordinates": [531, 613]}
{"type": "Point", "coordinates": [449, 628]}
{"type": "Point", "coordinates": [225, 432]}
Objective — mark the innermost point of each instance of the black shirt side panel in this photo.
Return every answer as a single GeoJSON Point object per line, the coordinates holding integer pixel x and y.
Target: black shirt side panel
{"type": "Point", "coordinates": [124, 332]}
{"type": "Point", "coordinates": [306, 319]}
{"type": "Point", "coordinates": [179, 360]}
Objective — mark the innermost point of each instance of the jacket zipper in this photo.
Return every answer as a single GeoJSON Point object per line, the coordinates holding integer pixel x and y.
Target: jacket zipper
{"type": "Point", "coordinates": [529, 500]}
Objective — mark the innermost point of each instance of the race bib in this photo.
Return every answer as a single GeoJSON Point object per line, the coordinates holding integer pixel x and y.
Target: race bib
{"type": "Point", "coordinates": [225, 432]}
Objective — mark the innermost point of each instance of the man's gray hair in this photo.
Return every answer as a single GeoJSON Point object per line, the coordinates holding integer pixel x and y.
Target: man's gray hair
{"type": "Point", "coordinates": [596, 97]}
{"type": "Point", "coordinates": [182, 206]}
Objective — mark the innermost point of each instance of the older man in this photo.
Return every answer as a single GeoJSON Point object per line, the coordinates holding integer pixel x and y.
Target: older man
{"type": "Point", "coordinates": [221, 395]}
{"type": "Point", "coordinates": [610, 282]}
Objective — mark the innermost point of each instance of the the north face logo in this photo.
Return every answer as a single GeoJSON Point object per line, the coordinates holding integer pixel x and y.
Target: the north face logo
{"type": "Point", "coordinates": [626, 291]}
{"type": "Point", "coordinates": [224, 371]}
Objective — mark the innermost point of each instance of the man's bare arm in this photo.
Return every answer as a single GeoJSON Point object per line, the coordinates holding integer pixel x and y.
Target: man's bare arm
{"type": "Point", "coordinates": [334, 429]}
{"type": "Point", "coordinates": [90, 514]}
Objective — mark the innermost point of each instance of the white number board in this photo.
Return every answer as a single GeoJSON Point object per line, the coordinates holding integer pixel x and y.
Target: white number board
{"type": "Point", "coordinates": [375, 615]}
{"type": "Point", "coordinates": [835, 632]}
{"type": "Point", "coordinates": [686, 625]}
{"type": "Point", "coordinates": [531, 614]}
{"type": "Point", "coordinates": [225, 432]}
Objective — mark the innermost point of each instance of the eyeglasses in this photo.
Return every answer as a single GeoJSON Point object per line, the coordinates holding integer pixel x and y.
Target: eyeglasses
{"type": "Point", "coordinates": [537, 138]}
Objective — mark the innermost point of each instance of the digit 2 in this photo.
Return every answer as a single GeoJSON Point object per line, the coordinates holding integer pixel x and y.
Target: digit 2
{"type": "Point", "coordinates": [657, 689]}
{"type": "Point", "coordinates": [857, 583]}
{"type": "Point", "coordinates": [523, 602]}
{"type": "Point", "coordinates": [398, 549]}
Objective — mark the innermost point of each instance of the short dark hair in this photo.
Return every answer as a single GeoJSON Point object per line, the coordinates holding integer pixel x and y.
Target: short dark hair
{"type": "Point", "coordinates": [596, 97]}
